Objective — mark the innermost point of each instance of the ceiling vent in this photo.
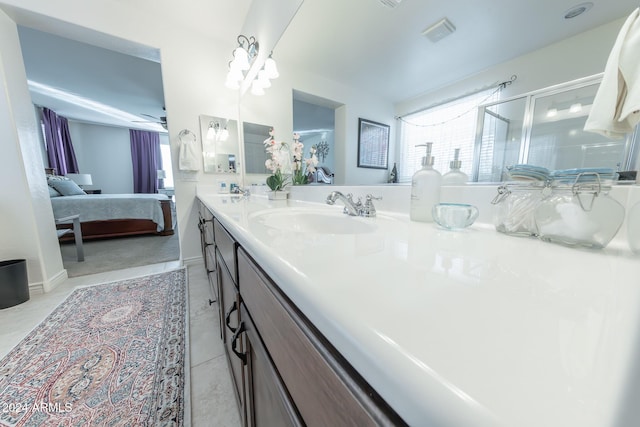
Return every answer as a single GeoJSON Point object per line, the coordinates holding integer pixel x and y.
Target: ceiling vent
{"type": "Point", "coordinates": [439, 30]}
{"type": "Point", "coordinates": [390, 3]}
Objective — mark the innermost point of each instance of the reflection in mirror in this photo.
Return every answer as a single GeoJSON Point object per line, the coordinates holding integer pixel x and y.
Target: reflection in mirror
{"type": "Point", "coordinates": [545, 128]}
{"type": "Point", "coordinates": [499, 145]}
{"type": "Point", "coordinates": [219, 144]}
{"type": "Point", "coordinates": [314, 121]}
{"type": "Point", "coordinates": [557, 139]}
{"type": "Point", "coordinates": [254, 152]}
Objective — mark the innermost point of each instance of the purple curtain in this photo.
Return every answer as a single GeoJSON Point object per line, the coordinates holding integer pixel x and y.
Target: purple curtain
{"type": "Point", "coordinates": [59, 147]}
{"type": "Point", "coordinates": [146, 158]}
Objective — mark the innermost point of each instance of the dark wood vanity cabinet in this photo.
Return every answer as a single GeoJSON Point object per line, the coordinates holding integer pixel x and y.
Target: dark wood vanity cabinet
{"type": "Point", "coordinates": [284, 372]}
{"type": "Point", "coordinates": [230, 309]}
{"type": "Point", "coordinates": [267, 400]}
{"type": "Point", "coordinates": [207, 245]}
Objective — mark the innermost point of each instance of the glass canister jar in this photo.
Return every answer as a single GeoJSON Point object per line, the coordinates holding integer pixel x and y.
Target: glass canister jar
{"type": "Point", "coordinates": [579, 213]}
{"type": "Point", "coordinates": [514, 207]}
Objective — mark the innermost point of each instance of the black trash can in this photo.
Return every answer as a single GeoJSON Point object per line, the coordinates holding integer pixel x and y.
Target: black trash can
{"type": "Point", "coordinates": [14, 286]}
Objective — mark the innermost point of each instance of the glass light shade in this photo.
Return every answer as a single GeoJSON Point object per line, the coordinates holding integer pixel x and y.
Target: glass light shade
{"type": "Point", "coordinates": [235, 74]}
{"type": "Point", "coordinates": [211, 133]}
{"type": "Point", "coordinates": [232, 83]}
{"type": "Point", "coordinates": [263, 79]}
{"type": "Point", "coordinates": [240, 59]}
{"type": "Point", "coordinates": [552, 112]}
{"type": "Point", "coordinates": [575, 108]}
{"type": "Point", "coordinates": [256, 88]}
{"type": "Point", "coordinates": [224, 134]}
{"type": "Point", "coordinates": [271, 69]}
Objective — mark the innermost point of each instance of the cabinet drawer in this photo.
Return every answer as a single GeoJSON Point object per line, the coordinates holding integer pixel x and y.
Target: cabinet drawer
{"type": "Point", "coordinates": [227, 248]}
{"type": "Point", "coordinates": [325, 389]}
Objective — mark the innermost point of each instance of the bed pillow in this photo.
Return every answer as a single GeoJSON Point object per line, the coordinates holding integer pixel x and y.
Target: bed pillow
{"type": "Point", "coordinates": [56, 178]}
{"type": "Point", "coordinates": [53, 192]}
{"type": "Point", "coordinates": [66, 187]}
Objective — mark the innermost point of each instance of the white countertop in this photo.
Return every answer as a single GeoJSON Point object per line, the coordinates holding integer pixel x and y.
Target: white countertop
{"type": "Point", "coordinates": [470, 328]}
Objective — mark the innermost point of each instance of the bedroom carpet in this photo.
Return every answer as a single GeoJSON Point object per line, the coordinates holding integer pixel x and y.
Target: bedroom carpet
{"type": "Point", "coordinates": [118, 253]}
{"type": "Point", "coordinates": [110, 354]}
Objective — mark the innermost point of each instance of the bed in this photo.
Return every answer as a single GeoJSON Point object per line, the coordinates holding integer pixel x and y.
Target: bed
{"type": "Point", "coordinates": [115, 215]}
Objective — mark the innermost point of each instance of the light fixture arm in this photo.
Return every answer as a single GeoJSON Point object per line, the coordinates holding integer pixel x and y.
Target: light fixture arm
{"type": "Point", "coordinates": [250, 44]}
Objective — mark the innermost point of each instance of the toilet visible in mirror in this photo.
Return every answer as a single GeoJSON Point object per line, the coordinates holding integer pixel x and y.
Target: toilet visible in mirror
{"type": "Point", "coordinates": [219, 144]}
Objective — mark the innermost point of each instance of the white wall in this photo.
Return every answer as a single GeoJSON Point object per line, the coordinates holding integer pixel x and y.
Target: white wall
{"type": "Point", "coordinates": [27, 228]}
{"type": "Point", "coordinates": [105, 153]}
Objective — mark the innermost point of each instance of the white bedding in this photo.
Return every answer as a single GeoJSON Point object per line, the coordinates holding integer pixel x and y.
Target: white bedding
{"type": "Point", "coordinates": [99, 207]}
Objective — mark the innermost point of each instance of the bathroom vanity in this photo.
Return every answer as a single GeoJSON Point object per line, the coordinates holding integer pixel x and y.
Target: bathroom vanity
{"type": "Point", "coordinates": [335, 320]}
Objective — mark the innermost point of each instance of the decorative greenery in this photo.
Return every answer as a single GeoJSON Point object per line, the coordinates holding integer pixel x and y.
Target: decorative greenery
{"type": "Point", "coordinates": [300, 176]}
{"type": "Point", "coordinates": [279, 153]}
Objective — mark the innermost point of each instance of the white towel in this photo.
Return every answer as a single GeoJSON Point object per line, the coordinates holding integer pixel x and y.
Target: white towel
{"type": "Point", "coordinates": [188, 160]}
{"type": "Point", "coordinates": [616, 107]}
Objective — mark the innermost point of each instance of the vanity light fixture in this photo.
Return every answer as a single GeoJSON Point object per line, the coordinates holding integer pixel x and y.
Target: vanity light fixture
{"type": "Point", "coordinates": [217, 132]}
{"type": "Point", "coordinates": [552, 112]}
{"type": "Point", "coordinates": [212, 132]}
{"type": "Point", "coordinates": [243, 57]}
{"type": "Point", "coordinates": [575, 108]}
{"type": "Point", "coordinates": [263, 79]}
{"type": "Point", "coordinates": [270, 68]}
{"type": "Point", "coordinates": [256, 88]}
{"type": "Point", "coordinates": [223, 135]}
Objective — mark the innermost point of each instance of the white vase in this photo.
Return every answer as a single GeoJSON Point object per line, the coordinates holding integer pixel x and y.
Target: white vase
{"type": "Point", "coordinates": [278, 195]}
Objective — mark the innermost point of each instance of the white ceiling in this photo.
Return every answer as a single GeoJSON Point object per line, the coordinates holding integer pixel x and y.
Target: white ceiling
{"type": "Point", "coordinates": [366, 44]}
{"type": "Point", "coordinates": [358, 42]}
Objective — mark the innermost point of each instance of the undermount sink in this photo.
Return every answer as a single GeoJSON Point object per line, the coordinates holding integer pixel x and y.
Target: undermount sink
{"type": "Point", "coordinates": [314, 220]}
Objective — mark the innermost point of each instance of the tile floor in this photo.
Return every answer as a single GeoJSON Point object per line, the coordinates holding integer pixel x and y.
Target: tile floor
{"type": "Point", "coordinates": [212, 400]}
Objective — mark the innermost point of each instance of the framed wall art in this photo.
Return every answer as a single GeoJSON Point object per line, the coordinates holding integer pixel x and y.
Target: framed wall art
{"type": "Point", "coordinates": [373, 144]}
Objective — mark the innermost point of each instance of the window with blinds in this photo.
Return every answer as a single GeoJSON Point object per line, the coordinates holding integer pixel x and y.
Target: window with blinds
{"type": "Point", "coordinates": [449, 126]}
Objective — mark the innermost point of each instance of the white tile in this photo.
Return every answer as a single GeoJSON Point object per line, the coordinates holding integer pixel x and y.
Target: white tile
{"type": "Point", "coordinates": [212, 399]}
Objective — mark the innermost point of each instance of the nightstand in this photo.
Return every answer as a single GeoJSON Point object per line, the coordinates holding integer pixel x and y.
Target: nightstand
{"type": "Point", "coordinates": [95, 191]}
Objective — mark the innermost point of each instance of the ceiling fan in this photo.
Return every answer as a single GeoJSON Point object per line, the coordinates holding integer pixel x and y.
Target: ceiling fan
{"type": "Point", "coordinates": [162, 120]}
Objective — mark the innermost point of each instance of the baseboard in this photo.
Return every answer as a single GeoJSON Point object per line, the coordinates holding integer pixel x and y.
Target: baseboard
{"type": "Point", "coordinates": [197, 260]}
{"type": "Point", "coordinates": [53, 282]}
{"type": "Point", "coordinates": [36, 288]}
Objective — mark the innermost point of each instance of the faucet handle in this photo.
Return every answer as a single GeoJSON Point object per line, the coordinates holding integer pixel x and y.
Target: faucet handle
{"type": "Point", "coordinates": [368, 209]}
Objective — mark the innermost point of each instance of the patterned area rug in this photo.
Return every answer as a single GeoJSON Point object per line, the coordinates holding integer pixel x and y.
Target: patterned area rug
{"type": "Point", "coordinates": [109, 355]}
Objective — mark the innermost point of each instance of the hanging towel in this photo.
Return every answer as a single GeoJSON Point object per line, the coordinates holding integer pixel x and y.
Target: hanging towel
{"type": "Point", "coordinates": [188, 160]}
{"type": "Point", "coordinates": [616, 107]}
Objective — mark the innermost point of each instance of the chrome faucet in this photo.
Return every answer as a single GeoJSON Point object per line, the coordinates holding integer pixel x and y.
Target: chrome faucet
{"type": "Point", "coordinates": [237, 190]}
{"type": "Point", "coordinates": [354, 208]}
{"type": "Point", "coordinates": [350, 207]}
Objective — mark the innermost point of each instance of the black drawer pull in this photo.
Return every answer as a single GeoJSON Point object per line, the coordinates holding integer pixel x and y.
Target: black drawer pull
{"type": "Point", "coordinates": [227, 318]}
{"type": "Point", "coordinates": [234, 340]}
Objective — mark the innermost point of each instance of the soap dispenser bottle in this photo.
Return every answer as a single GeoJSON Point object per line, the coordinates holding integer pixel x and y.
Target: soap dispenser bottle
{"type": "Point", "coordinates": [425, 188]}
{"type": "Point", "coordinates": [455, 176]}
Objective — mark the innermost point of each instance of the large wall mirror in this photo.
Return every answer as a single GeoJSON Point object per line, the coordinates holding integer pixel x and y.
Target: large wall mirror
{"type": "Point", "coordinates": [545, 128]}
{"type": "Point", "coordinates": [220, 141]}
